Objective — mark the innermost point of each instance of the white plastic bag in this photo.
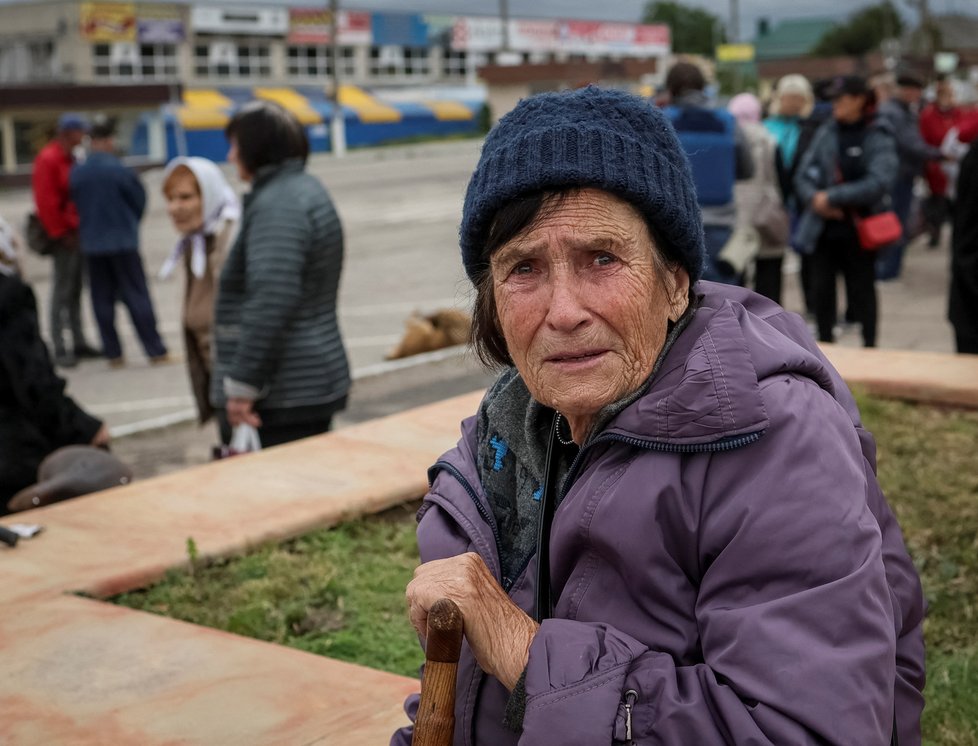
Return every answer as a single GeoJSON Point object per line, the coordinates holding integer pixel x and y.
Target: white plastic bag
{"type": "Point", "coordinates": [244, 439]}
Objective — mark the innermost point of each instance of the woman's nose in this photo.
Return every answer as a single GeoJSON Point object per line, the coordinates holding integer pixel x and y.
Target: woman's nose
{"type": "Point", "coordinates": [567, 310]}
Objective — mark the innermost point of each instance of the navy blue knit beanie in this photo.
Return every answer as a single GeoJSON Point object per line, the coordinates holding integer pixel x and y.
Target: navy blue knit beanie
{"type": "Point", "coordinates": [590, 137]}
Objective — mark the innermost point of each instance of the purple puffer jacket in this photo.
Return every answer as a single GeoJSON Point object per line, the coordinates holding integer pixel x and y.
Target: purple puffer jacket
{"type": "Point", "coordinates": [724, 562]}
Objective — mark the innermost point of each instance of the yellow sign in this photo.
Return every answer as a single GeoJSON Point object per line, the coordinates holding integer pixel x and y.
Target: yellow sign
{"type": "Point", "coordinates": [107, 22]}
{"type": "Point", "coordinates": [735, 53]}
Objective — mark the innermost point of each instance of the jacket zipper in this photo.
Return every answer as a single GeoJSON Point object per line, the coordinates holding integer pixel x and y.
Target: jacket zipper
{"type": "Point", "coordinates": [486, 514]}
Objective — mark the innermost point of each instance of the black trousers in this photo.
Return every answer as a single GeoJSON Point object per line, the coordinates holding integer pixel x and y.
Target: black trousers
{"type": "Point", "coordinates": [66, 289]}
{"type": "Point", "coordinates": [274, 435]}
{"type": "Point", "coordinates": [120, 277]}
{"type": "Point", "coordinates": [840, 253]}
{"type": "Point", "coordinates": [967, 343]}
{"type": "Point", "coordinates": [767, 278]}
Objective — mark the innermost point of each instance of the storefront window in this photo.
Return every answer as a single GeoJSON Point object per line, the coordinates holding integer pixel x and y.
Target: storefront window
{"type": "Point", "coordinates": [230, 59]}
{"type": "Point", "coordinates": [131, 61]}
{"type": "Point", "coordinates": [316, 61]}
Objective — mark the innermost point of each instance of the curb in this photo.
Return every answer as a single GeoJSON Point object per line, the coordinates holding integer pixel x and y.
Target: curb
{"type": "Point", "coordinates": [364, 374]}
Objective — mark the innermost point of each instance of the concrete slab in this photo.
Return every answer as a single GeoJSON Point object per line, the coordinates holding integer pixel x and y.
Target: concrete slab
{"type": "Point", "coordinates": [926, 377]}
{"type": "Point", "coordinates": [84, 672]}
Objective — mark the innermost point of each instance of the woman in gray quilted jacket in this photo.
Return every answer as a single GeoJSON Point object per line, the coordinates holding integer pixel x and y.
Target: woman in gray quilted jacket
{"type": "Point", "coordinates": [280, 362]}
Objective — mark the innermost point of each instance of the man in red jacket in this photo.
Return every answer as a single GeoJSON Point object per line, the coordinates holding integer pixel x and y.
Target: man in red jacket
{"type": "Point", "coordinates": [59, 217]}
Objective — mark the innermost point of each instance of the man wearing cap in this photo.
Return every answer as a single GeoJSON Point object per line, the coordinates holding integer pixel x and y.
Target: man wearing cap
{"type": "Point", "coordinates": [59, 218]}
{"type": "Point", "coordinates": [900, 112]}
{"type": "Point", "coordinates": [111, 201]}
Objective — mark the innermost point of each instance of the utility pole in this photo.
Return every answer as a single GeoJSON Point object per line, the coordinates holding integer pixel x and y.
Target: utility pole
{"type": "Point", "coordinates": [337, 125]}
{"type": "Point", "coordinates": [504, 20]}
{"type": "Point", "coordinates": [734, 21]}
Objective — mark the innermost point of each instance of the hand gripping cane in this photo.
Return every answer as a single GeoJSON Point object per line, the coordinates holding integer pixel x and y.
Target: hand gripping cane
{"type": "Point", "coordinates": [435, 721]}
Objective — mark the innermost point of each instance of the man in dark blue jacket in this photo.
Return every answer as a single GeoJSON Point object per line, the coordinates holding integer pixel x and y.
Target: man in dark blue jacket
{"type": "Point", "coordinates": [110, 201]}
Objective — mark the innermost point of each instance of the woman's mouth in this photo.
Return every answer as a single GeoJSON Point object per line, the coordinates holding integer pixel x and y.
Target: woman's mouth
{"type": "Point", "coordinates": [576, 358]}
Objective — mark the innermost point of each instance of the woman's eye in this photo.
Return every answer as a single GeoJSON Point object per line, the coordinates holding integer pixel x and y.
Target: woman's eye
{"type": "Point", "coordinates": [522, 268]}
{"type": "Point", "coordinates": [603, 259]}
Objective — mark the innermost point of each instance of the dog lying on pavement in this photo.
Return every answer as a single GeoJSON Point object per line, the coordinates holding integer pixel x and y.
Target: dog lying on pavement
{"type": "Point", "coordinates": [427, 332]}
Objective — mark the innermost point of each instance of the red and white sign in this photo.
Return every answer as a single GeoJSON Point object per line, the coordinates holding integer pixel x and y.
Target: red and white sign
{"type": "Point", "coordinates": [314, 26]}
{"type": "Point", "coordinates": [573, 37]}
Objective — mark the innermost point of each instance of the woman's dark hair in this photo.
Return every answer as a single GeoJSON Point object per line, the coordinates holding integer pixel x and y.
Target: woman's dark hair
{"type": "Point", "coordinates": [510, 221]}
{"type": "Point", "coordinates": [684, 77]}
{"type": "Point", "coordinates": [267, 134]}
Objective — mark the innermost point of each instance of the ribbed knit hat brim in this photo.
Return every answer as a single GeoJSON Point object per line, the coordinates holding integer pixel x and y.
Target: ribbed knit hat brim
{"type": "Point", "coordinates": [592, 137]}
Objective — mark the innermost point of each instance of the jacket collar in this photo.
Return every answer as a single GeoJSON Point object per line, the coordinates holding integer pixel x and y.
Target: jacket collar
{"type": "Point", "coordinates": [270, 172]}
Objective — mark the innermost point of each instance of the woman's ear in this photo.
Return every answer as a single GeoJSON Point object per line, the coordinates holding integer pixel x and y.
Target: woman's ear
{"type": "Point", "coordinates": [677, 283]}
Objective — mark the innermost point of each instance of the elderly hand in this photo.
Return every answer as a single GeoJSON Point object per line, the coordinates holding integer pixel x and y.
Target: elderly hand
{"type": "Point", "coordinates": [822, 206]}
{"type": "Point", "coordinates": [498, 631]}
{"type": "Point", "coordinates": [240, 412]}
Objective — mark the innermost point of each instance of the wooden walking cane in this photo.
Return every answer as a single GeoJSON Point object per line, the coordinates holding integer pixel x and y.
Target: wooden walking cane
{"type": "Point", "coordinates": [435, 722]}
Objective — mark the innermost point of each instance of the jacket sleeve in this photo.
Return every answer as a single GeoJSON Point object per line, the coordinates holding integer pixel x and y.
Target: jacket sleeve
{"type": "Point", "coordinates": [50, 210]}
{"type": "Point", "coordinates": [745, 160]}
{"type": "Point", "coordinates": [910, 143]}
{"type": "Point", "coordinates": [34, 385]}
{"type": "Point", "coordinates": [794, 613]}
{"type": "Point", "coordinates": [134, 193]}
{"type": "Point", "coordinates": [876, 183]}
{"type": "Point", "coordinates": [808, 177]}
{"type": "Point", "coordinates": [277, 238]}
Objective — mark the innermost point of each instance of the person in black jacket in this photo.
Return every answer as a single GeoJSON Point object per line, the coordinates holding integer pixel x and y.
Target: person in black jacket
{"type": "Point", "coordinates": [36, 417]}
{"type": "Point", "coordinates": [963, 296]}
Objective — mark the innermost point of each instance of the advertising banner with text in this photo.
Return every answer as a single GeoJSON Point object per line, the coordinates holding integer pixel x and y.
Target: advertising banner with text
{"type": "Point", "coordinates": [107, 22]}
{"type": "Point", "coordinates": [315, 26]}
{"type": "Point", "coordinates": [160, 24]}
{"type": "Point", "coordinates": [573, 37]}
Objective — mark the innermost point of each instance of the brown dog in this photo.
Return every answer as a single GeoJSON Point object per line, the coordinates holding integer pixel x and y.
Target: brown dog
{"type": "Point", "coordinates": [424, 333]}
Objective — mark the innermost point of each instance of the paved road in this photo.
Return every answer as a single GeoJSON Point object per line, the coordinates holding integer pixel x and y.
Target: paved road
{"type": "Point", "coordinates": [400, 209]}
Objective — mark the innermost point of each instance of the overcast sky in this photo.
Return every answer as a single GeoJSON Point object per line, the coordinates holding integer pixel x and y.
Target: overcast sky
{"type": "Point", "coordinates": [615, 10]}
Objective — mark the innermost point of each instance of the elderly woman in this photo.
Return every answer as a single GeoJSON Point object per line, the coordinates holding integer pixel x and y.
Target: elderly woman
{"type": "Point", "coordinates": [205, 212]}
{"type": "Point", "coordinates": [663, 524]}
{"type": "Point", "coordinates": [280, 362]}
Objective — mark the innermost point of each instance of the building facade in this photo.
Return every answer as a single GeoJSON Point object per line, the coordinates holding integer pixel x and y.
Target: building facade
{"type": "Point", "coordinates": [69, 41]}
{"type": "Point", "coordinates": [401, 75]}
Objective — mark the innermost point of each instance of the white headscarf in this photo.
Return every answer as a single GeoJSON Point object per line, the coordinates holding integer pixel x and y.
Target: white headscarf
{"type": "Point", "coordinates": [9, 262]}
{"type": "Point", "coordinates": [220, 206]}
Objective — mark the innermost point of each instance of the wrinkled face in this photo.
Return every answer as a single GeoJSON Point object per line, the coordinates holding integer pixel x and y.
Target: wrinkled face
{"type": "Point", "coordinates": [583, 302]}
{"type": "Point", "coordinates": [791, 104]}
{"type": "Point", "coordinates": [184, 204]}
{"type": "Point", "coordinates": [848, 108]}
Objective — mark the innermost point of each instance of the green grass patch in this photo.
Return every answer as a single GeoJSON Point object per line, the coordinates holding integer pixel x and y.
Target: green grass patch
{"type": "Point", "coordinates": [340, 592]}
{"type": "Point", "coordinates": [336, 592]}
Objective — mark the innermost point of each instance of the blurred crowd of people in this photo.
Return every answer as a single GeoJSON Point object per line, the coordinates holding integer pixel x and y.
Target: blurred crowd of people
{"type": "Point", "coordinates": [826, 176]}
{"type": "Point", "coordinates": [262, 342]}
{"type": "Point", "coordinates": [837, 175]}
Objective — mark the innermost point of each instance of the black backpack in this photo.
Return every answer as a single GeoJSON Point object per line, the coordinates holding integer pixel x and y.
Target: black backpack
{"type": "Point", "coordinates": [37, 238]}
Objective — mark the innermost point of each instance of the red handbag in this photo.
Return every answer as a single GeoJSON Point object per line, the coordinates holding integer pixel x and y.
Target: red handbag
{"type": "Point", "coordinates": [877, 231]}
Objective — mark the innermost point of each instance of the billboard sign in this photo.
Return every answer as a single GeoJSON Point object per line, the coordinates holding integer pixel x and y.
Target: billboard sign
{"type": "Point", "coordinates": [160, 24]}
{"type": "Point", "coordinates": [572, 37]}
{"type": "Point", "coordinates": [108, 22]}
{"type": "Point", "coordinates": [315, 26]}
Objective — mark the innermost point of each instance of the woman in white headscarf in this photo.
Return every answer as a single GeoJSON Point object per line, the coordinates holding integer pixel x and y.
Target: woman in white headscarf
{"type": "Point", "coordinates": [205, 211]}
